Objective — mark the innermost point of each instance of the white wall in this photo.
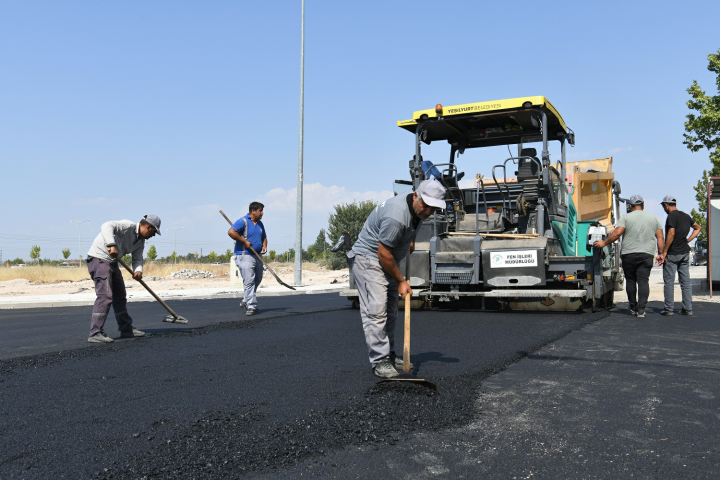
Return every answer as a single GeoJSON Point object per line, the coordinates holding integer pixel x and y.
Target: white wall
{"type": "Point", "coordinates": [714, 214]}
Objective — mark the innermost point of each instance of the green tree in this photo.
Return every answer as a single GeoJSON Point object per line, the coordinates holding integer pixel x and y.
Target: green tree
{"type": "Point", "coordinates": [173, 257]}
{"type": "Point", "coordinates": [320, 247]}
{"type": "Point", "coordinates": [225, 257]}
{"type": "Point", "coordinates": [152, 252]}
{"type": "Point", "coordinates": [127, 259]}
{"type": "Point", "coordinates": [288, 256]}
{"type": "Point", "coordinates": [66, 253]}
{"type": "Point", "coordinates": [213, 256]}
{"type": "Point", "coordinates": [35, 252]}
{"type": "Point", "coordinates": [272, 254]}
{"type": "Point", "coordinates": [702, 130]}
{"type": "Point", "coordinates": [348, 217]}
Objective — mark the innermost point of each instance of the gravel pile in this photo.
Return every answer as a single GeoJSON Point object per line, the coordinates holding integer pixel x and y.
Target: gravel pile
{"type": "Point", "coordinates": [236, 443]}
{"type": "Point", "coordinates": [192, 274]}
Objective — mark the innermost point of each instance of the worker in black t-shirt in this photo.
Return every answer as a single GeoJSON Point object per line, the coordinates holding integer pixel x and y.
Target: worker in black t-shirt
{"type": "Point", "coordinates": [675, 256]}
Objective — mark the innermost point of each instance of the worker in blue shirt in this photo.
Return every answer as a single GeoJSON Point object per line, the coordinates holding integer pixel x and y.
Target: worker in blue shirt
{"type": "Point", "coordinates": [249, 231]}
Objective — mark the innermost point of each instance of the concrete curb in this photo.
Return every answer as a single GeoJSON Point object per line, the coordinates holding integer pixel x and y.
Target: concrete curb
{"type": "Point", "coordinates": [85, 299]}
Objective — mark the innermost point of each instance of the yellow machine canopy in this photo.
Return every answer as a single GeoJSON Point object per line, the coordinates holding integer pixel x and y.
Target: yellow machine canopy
{"type": "Point", "coordinates": [486, 124]}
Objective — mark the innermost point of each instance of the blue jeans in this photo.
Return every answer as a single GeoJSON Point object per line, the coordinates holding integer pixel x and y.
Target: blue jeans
{"type": "Point", "coordinates": [681, 265]}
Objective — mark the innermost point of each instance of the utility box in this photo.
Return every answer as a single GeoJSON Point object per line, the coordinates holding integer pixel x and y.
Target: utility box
{"type": "Point", "coordinates": [591, 182]}
{"type": "Point", "coordinates": [235, 277]}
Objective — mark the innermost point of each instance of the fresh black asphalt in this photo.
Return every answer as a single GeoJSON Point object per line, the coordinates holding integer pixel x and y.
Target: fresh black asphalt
{"type": "Point", "coordinates": [289, 394]}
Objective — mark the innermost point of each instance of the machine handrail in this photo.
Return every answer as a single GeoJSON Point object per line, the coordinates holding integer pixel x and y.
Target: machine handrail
{"type": "Point", "coordinates": [487, 214]}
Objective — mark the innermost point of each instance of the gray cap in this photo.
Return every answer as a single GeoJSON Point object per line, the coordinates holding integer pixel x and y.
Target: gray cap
{"type": "Point", "coordinates": [153, 220]}
{"type": "Point", "coordinates": [669, 199]}
{"type": "Point", "coordinates": [636, 200]}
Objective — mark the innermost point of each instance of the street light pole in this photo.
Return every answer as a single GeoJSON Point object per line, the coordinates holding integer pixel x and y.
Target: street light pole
{"type": "Point", "coordinates": [175, 230]}
{"type": "Point", "coordinates": [79, 222]}
{"type": "Point", "coordinates": [298, 218]}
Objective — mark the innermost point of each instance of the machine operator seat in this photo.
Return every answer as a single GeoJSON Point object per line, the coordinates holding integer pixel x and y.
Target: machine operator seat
{"type": "Point", "coordinates": [528, 169]}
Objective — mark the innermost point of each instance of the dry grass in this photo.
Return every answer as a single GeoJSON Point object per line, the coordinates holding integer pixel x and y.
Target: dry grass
{"type": "Point", "coordinates": [51, 274]}
{"type": "Point", "coordinates": [44, 273]}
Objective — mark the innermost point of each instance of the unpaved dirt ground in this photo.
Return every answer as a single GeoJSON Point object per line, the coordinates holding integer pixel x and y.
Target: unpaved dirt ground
{"type": "Point", "coordinates": [22, 287]}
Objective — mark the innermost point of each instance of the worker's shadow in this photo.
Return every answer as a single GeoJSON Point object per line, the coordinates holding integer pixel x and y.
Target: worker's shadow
{"type": "Point", "coordinates": [419, 359]}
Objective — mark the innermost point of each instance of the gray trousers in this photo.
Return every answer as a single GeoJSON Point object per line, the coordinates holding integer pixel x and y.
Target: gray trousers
{"type": "Point", "coordinates": [681, 265]}
{"type": "Point", "coordinates": [378, 294]}
{"type": "Point", "coordinates": [251, 270]}
{"type": "Point", "coordinates": [109, 291]}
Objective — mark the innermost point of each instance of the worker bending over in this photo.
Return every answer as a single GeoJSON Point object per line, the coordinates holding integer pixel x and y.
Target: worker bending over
{"type": "Point", "coordinates": [386, 238]}
{"type": "Point", "coordinates": [117, 239]}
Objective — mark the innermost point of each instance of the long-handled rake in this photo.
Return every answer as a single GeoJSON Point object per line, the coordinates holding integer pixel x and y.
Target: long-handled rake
{"type": "Point", "coordinates": [173, 317]}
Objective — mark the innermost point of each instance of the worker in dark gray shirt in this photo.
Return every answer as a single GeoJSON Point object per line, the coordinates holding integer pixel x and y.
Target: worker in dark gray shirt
{"type": "Point", "coordinates": [386, 238]}
{"type": "Point", "coordinates": [675, 257]}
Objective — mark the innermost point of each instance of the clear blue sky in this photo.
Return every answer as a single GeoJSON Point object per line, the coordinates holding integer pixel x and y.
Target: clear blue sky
{"type": "Point", "coordinates": [111, 110]}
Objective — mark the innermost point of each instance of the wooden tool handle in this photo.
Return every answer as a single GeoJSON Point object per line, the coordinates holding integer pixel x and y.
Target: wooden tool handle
{"type": "Point", "coordinates": [406, 347]}
{"type": "Point", "coordinates": [120, 261]}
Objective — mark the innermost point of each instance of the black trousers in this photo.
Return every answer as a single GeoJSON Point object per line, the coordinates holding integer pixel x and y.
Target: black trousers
{"type": "Point", "coordinates": [636, 267]}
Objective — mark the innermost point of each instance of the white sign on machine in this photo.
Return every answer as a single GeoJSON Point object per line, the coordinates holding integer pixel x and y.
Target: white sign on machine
{"type": "Point", "coordinates": [513, 258]}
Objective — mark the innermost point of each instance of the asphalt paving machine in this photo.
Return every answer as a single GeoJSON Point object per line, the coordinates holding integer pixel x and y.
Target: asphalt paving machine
{"type": "Point", "coordinates": [512, 240]}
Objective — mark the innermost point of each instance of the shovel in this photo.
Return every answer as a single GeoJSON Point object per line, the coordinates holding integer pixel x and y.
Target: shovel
{"type": "Point", "coordinates": [260, 258]}
{"type": "Point", "coordinates": [173, 317]}
{"type": "Point", "coordinates": [406, 376]}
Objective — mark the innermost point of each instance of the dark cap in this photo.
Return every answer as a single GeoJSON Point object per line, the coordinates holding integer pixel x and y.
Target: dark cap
{"type": "Point", "coordinates": [669, 199]}
{"type": "Point", "coordinates": [636, 200]}
{"type": "Point", "coordinates": [153, 220]}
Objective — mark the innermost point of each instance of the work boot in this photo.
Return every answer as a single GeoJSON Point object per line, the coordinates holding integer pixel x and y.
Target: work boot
{"type": "Point", "coordinates": [132, 333]}
{"type": "Point", "coordinates": [667, 313]}
{"type": "Point", "coordinates": [397, 361]}
{"type": "Point", "coordinates": [100, 337]}
{"type": "Point", "coordinates": [385, 369]}
{"type": "Point", "coordinates": [243, 305]}
{"type": "Point", "coordinates": [640, 314]}
{"type": "Point", "coordinates": [251, 311]}
{"type": "Point", "coordinates": [686, 313]}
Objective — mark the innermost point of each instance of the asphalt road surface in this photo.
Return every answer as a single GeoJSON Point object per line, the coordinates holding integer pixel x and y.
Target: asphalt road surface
{"type": "Point", "coordinates": [289, 393]}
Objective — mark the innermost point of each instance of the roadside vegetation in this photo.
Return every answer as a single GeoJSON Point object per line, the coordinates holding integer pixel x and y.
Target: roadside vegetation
{"type": "Point", "coordinates": [702, 131]}
{"type": "Point", "coordinates": [348, 217]}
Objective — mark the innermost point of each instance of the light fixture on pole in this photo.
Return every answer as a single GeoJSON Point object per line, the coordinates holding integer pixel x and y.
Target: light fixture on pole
{"type": "Point", "coordinates": [298, 221]}
{"type": "Point", "coordinates": [175, 230]}
{"type": "Point", "coordinates": [79, 222]}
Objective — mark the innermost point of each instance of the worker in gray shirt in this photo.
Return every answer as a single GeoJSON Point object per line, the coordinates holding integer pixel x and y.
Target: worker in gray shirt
{"type": "Point", "coordinates": [386, 238]}
{"type": "Point", "coordinates": [117, 239]}
{"type": "Point", "coordinates": [641, 231]}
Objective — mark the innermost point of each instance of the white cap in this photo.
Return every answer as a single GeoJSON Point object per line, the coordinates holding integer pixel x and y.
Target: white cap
{"type": "Point", "coordinates": [432, 193]}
